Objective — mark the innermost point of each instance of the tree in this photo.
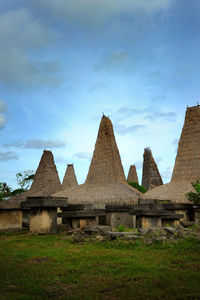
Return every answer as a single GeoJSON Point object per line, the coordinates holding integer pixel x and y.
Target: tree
{"type": "Point", "coordinates": [25, 179]}
{"type": "Point", "coordinates": [5, 191]}
{"type": "Point", "coordinates": [192, 196]}
{"type": "Point", "coordinates": [140, 188]}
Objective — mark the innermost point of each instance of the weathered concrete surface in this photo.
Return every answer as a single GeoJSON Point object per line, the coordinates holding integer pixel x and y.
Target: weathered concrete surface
{"type": "Point", "coordinates": [43, 220]}
{"type": "Point", "coordinates": [132, 174]}
{"type": "Point", "coordinates": [187, 164]}
{"type": "Point", "coordinates": [10, 219]}
{"type": "Point", "coordinates": [184, 213]}
{"type": "Point", "coordinates": [115, 219]}
{"type": "Point", "coordinates": [170, 222]}
{"type": "Point", "coordinates": [81, 223]}
{"type": "Point", "coordinates": [150, 177]}
{"type": "Point", "coordinates": [149, 222]}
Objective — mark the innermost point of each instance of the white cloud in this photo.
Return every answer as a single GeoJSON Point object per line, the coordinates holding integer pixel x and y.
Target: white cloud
{"type": "Point", "coordinates": [82, 155]}
{"type": "Point", "coordinates": [3, 108]}
{"type": "Point", "coordinates": [116, 60]}
{"type": "Point", "coordinates": [23, 39]}
{"type": "Point", "coordinates": [96, 11]}
{"type": "Point", "coordinates": [37, 144]}
{"type": "Point", "coordinates": [2, 121]}
{"type": "Point", "coordinates": [8, 155]}
{"type": "Point", "coordinates": [123, 129]}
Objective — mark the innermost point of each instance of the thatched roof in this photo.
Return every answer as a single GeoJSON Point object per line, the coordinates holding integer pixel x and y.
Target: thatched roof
{"type": "Point", "coordinates": [106, 165]}
{"type": "Point", "coordinates": [110, 193]}
{"type": "Point", "coordinates": [132, 174]}
{"type": "Point", "coordinates": [46, 182]}
{"type": "Point", "coordinates": [69, 179]}
{"type": "Point", "coordinates": [187, 164]}
{"type": "Point", "coordinates": [150, 176]}
{"type": "Point", "coordinates": [106, 182]}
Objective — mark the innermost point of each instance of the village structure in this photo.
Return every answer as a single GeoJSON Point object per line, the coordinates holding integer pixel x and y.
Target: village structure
{"type": "Point", "coordinates": [150, 177]}
{"type": "Point", "coordinates": [106, 198]}
{"type": "Point", "coordinates": [132, 174]}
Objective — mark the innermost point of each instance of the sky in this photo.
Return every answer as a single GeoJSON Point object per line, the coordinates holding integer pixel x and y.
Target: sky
{"type": "Point", "coordinates": [65, 62]}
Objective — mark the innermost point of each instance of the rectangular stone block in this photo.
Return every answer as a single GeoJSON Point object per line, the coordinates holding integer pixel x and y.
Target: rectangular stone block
{"type": "Point", "coordinates": [43, 220]}
{"type": "Point", "coordinates": [116, 219]}
{"type": "Point", "coordinates": [10, 219]}
{"type": "Point", "coordinates": [170, 222]}
{"type": "Point", "coordinates": [148, 222]}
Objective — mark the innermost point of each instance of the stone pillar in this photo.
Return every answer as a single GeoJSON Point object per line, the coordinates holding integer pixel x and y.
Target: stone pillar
{"type": "Point", "coordinates": [197, 215]}
{"type": "Point", "coordinates": [10, 219]}
{"type": "Point", "coordinates": [43, 220]}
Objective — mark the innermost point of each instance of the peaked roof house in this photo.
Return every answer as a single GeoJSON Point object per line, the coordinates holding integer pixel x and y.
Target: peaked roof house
{"type": "Point", "coordinates": [132, 174]}
{"type": "Point", "coordinates": [150, 177]}
{"type": "Point", "coordinates": [69, 179]}
{"type": "Point", "coordinates": [105, 182]}
{"type": "Point", "coordinates": [187, 164]}
{"type": "Point", "coordinates": [45, 182]}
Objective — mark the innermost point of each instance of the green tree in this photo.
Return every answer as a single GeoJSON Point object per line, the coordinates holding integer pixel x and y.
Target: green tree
{"type": "Point", "coordinates": [140, 188]}
{"type": "Point", "coordinates": [5, 191]}
{"type": "Point", "coordinates": [194, 197]}
{"type": "Point", "coordinates": [25, 179]}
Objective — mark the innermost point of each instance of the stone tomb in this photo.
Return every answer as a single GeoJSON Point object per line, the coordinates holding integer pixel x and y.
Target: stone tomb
{"type": "Point", "coordinates": [11, 219]}
{"type": "Point", "coordinates": [155, 218]}
{"type": "Point", "coordinates": [117, 215]}
{"type": "Point", "coordinates": [43, 213]}
{"type": "Point", "coordinates": [76, 216]}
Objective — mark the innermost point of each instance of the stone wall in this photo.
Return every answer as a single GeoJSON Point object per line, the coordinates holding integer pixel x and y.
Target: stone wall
{"type": "Point", "coordinates": [10, 219]}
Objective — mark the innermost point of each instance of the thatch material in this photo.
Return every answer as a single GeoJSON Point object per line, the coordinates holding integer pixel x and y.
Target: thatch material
{"type": "Point", "coordinates": [46, 182]}
{"type": "Point", "coordinates": [106, 182]}
{"type": "Point", "coordinates": [69, 178]}
{"type": "Point", "coordinates": [132, 174]}
{"type": "Point", "coordinates": [187, 164]}
{"type": "Point", "coordinates": [106, 165]}
{"type": "Point", "coordinates": [150, 177]}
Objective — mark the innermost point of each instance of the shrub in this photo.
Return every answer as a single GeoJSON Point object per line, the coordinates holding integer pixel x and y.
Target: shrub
{"type": "Point", "coordinates": [140, 188]}
{"type": "Point", "coordinates": [192, 196]}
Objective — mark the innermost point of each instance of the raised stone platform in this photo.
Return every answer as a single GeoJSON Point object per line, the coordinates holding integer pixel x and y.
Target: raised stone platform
{"type": "Point", "coordinates": [43, 213]}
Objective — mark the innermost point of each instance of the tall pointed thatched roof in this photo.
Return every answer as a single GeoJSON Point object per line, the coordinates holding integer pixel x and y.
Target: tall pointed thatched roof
{"type": "Point", "coordinates": [187, 164]}
{"type": "Point", "coordinates": [132, 174]}
{"type": "Point", "coordinates": [46, 182]}
{"type": "Point", "coordinates": [69, 179]}
{"type": "Point", "coordinates": [106, 165]}
{"type": "Point", "coordinates": [150, 177]}
{"type": "Point", "coordinates": [105, 182]}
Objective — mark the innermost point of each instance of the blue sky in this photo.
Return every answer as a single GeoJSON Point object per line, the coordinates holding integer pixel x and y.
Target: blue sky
{"type": "Point", "coordinates": [64, 62]}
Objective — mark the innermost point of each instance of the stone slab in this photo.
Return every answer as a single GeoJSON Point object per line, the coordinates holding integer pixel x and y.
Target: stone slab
{"type": "Point", "coordinates": [44, 202]}
{"type": "Point", "coordinates": [145, 212]}
{"type": "Point", "coordinates": [172, 217]}
{"type": "Point", "coordinates": [81, 213]}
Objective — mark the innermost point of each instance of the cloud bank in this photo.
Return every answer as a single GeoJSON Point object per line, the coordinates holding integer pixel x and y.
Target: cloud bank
{"type": "Point", "coordinates": [37, 144]}
{"type": "Point", "coordinates": [8, 155]}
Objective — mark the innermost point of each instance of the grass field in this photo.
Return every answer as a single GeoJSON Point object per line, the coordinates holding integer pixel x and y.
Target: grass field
{"type": "Point", "coordinates": [54, 267]}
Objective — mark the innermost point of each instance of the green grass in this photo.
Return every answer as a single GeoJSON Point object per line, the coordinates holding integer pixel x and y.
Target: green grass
{"type": "Point", "coordinates": [54, 267]}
